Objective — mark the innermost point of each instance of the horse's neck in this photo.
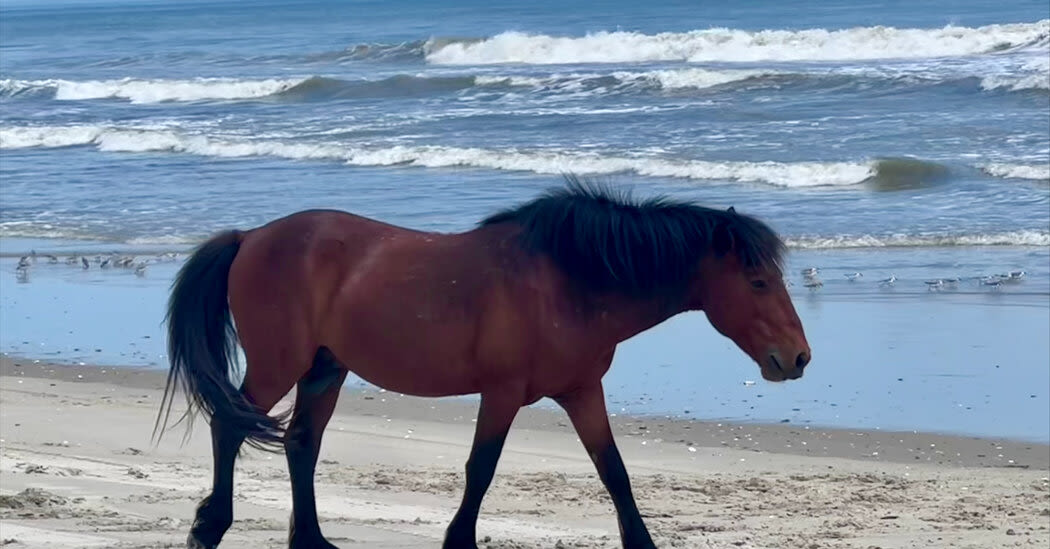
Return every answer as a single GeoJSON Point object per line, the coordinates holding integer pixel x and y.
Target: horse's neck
{"type": "Point", "coordinates": [620, 318]}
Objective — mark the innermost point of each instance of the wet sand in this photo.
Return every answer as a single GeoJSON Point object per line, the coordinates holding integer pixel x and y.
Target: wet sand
{"type": "Point", "coordinates": [77, 469]}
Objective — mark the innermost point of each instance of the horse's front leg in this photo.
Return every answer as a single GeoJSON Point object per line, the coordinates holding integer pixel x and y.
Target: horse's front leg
{"type": "Point", "coordinates": [497, 412]}
{"type": "Point", "coordinates": [586, 409]}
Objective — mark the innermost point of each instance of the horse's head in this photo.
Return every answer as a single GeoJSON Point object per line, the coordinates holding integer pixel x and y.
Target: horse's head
{"type": "Point", "coordinates": [751, 306]}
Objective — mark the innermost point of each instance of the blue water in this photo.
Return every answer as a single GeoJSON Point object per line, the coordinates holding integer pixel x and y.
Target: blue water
{"type": "Point", "coordinates": [892, 138]}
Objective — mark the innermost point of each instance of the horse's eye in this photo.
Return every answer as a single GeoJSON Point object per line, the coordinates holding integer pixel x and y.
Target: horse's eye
{"type": "Point", "coordinates": [758, 284]}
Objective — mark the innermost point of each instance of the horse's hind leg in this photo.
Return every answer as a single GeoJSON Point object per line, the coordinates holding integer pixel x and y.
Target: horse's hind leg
{"type": "Point", "coordinates": [215, 512]}
{"type": "Point", "coordinates": [316, 395]}
{"type": "Point", "coordinates": [264, 384]}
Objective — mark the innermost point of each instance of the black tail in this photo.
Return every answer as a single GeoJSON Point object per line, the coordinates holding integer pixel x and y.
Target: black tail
{"type": "Point", "coordinates": [202, 347]}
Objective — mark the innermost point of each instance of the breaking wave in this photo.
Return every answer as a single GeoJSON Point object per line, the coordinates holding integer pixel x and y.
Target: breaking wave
{"type": "Point", "coordinates": [1038, 172]}
{"type": "Point", "coordinates": [149, 91]}
{"type": "Point", "coordinates": [112, 139]}
{"type": "Point", "coordinates": [882, 173]}
{"type": "Point", "coordinates": [729, 45]}
{"type": "Point", "coordinates": [1011, 238]}
{"type": "Point", "coordinates": [32, 229]}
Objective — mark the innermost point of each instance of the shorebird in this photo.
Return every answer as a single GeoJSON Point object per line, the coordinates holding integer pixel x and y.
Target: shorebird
{"type": "Point", "coordinates": [23, 263]}
{"type": "Point", "coordinates": [852, 277]}
{"type": "Point", "coordinates": [140, 269]}
{"type": "Point", "coordinates": [52, 259]}
{"type": "Point", "coordinates": [934, 285]}
{"type": "Point", "coordinates": [1015, 276]}
{"type": "Point", "coordinates": [888, 281]}
{"type": "Point", "coordinates": [953, 281]}
{"type": "Point", "coordinates": [994, 282]}
{"type": "Point", "coordinates": [810, 272]}
{"type": "Point", "coordinates": [72, 260]}
{"type": "Point", "coordinates": [813, 284]}
{"type": "Point", "coordinates": [105, 263]}
{"type": "Point", "coordinates": [85, 263]}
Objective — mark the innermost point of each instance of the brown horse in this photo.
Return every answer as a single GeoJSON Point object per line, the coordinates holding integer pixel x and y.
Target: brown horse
{"type": "Point", "coordinates": [530, 304]}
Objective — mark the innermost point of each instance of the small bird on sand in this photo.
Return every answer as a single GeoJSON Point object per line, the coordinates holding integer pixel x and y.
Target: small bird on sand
{"type": "Point", "coordinates": [993, 282]}
{"type": "Point", "coordinates": [1015, 276]}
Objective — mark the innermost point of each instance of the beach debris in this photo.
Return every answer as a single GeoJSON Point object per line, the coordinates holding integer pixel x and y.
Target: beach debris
{"type": "Point", "coordinates": [853, 277]}
{"type": "Point", "coordinates": [890, 281]}
{"type": "Point", "coordinates": [31, 497]}
{"type": "Point", "coordinates": [135, 472]}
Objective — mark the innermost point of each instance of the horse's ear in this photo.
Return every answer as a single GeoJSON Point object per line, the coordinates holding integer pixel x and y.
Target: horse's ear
{"type": "Point", "coordinates": [722, 240]}
{"type": "Point", "coordinates": [731, 210]}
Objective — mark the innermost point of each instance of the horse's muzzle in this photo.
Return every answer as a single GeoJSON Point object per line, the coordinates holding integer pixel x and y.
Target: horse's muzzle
{"type": "Point", "coordinates": [780, 370]}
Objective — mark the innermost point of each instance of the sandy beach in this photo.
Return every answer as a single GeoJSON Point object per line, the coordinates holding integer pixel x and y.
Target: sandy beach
{"type": "Point", "coordinates": [77, 469]}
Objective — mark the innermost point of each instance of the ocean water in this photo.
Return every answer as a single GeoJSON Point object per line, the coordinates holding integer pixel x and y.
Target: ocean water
{"type": "Point", "coordinates": [890, 138]}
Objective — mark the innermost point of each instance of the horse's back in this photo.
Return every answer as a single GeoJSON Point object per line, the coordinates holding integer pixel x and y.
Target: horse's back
{"type": "Point", "coordinates": [401, 308]}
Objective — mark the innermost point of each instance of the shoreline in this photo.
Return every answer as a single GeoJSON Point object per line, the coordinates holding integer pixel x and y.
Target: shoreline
{"type": "Point", "coordinates": [904, 447]}
{"type": "Point", "coordinates": [77, 469]}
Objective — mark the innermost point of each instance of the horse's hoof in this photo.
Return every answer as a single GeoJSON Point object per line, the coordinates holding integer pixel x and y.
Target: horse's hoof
{"type": "Point", "coordinates": [645, 543]}
{"type": "Point", "coordinates": [312, 543]}
{"type": "Point", "coordinates": [459, 544]}
{"type": "Point", "coordinates": [193, 543]}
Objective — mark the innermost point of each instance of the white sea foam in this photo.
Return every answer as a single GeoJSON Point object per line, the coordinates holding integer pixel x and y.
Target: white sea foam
{"type": "Point", "coordinates": [152, 91]}
{"type": "Point", "coordinates": [1039, 172]}
{"type": "Point", "coordinates": [1032, 75]}
{"type": "Point", "coordinates": [722, 44]}
{"type": "Point", "coordinates": [1010, 238]}
{"type": "Point", "coordinates": [691, 78]}
{"type": "Point", "coordinates": [1017, 83]}
{"type": "Point", "coordinates": [48, 136]}
{"type": "Point", "coordinates": [793, 174]}
{"type": "Point", "coordinates": [665, 79]}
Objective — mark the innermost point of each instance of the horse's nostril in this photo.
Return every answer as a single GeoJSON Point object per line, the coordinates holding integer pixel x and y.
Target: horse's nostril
{"type": "Point", "coordinates": [802, 360]}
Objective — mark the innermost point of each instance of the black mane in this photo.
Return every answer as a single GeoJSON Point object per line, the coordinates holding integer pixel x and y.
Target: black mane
{"type": "Point", "coordinates": [607, 241]}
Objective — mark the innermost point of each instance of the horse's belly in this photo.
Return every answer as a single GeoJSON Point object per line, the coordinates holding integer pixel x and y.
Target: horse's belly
{"type": "Point", "coordinates": [416, 360]}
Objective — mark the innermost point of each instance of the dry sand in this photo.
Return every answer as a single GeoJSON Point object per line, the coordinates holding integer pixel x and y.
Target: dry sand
{"type": "Point", "coordinates": [77, 470]}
